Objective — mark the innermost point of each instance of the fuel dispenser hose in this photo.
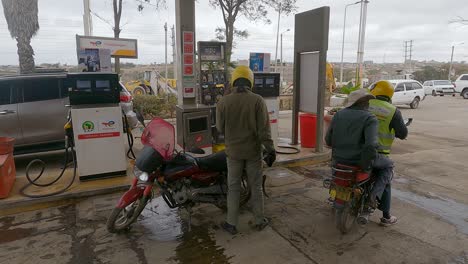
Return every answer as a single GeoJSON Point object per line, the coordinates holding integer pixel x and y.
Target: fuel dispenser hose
{"type": "Point", "coordinates": [33, 182]}
{"type": "Point", "coordinates": [68, 149]}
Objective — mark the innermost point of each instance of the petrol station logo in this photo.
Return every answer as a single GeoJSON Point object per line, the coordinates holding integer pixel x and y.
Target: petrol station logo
{"type": "Point", "coordinates": [108, 124]}
{"type": "Point", "coordinates": [96, 43]}
{"type": "Point", "coordinates": [88, 126]}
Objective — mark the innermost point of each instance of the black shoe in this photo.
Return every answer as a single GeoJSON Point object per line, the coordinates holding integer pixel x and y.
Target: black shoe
{"type": "Point", "coordinates": [262, 225]}
{"type": "Point", "coordinates": [229, 228]}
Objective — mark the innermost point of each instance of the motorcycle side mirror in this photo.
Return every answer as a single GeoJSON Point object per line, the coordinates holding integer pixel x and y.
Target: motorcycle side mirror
{"type": "Point", "coordinates": [196, 150]}
{"type": "Point", "coordinates": [408, 121]}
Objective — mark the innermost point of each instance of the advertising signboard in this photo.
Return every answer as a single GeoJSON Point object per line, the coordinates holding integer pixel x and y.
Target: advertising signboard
{"type": "Point", "coordinates": [94, 60]}
{"type": "Point", "coordinates": [122, 48]}
{"type": "Point", "coordinates": [259, 62]}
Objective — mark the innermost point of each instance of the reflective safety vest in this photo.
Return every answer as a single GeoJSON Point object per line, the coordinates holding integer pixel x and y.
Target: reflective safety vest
{"type": "Point", "coordinates": [384, 112]}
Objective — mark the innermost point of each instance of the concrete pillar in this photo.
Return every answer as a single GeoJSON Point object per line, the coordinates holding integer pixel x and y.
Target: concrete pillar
{"type": "Point", "coordinates": [185, 22]}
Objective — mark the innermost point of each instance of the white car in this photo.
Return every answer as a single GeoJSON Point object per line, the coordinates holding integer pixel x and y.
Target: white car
{"type": "Point", "coordinates": [438, 87]}
{"type": "Point", "coordinates": [407, 92]}
{"type": "Point", "coordinates": [461, 85]}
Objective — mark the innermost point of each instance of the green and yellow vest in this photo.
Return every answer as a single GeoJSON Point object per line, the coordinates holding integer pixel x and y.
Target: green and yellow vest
{"type": "Point", "coordinates": [384, 112]}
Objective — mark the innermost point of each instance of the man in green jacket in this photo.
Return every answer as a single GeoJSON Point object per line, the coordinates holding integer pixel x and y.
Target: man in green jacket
{"type": "Point", "coordinates": [243, 118]}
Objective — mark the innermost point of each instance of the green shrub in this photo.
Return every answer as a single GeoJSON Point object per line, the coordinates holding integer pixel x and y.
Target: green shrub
{"type": "Point", "coordinates": [155, 106]}
{"type": "Point", "coordinates": [349, 89]}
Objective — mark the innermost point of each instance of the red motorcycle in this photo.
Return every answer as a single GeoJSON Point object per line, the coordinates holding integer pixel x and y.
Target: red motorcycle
{"type": "Point", "coordinates": [349, 189]}
{"type": "Point", "coordinates": [183, 179]}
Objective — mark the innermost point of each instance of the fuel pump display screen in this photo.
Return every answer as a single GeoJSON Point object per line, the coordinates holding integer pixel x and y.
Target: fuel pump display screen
{"type": "Point", "coordinates": [197, 125]}
{"type": "Point", "coordinates": [267, 84]}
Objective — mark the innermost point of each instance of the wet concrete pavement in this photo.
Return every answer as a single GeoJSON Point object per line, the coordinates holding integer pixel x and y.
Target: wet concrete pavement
{"type": "Point", "coordinates": [429, 197]}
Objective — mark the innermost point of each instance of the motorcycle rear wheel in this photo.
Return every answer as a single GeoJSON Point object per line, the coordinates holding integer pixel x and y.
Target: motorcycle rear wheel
{"type": "Point", "coordinates": [345, 218]}
{"type": "Point", "coordinates": [121, 219]}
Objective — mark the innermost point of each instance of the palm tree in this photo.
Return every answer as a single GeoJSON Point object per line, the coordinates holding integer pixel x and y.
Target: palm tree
{"type": "Point", "coordinates": [23, 24]}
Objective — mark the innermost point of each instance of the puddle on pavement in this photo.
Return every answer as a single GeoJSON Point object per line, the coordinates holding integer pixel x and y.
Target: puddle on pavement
{"type": "Point", "coordinates": [449, 210]}
{"type": "Point", "coordinates": [165, 224]}
{"type": "Point", "coordinates": [8, 234]}
{"type": "Point", "coordinates": [198, 246]}
{"type": "Point", "coordinates": [162, 222]}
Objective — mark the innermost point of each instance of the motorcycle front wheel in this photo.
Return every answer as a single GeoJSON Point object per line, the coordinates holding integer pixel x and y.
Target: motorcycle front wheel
{"type": "Point", "coordinates": [122, 218]}
{"type": "Point", "coordinates": [345, 218]}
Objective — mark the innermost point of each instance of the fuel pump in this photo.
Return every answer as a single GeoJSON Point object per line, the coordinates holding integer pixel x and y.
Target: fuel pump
{"type": "Point", "coordinates": [196, 123]}
{"type": "Point", "coordinates": [267, 85]}
{"type": "Point", "coordinates": [94, 142]}
{"type": "Point", "coordinates": [97, 125]}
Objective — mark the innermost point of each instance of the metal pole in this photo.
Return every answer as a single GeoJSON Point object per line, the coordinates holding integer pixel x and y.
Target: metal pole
{"type": "Point", "coordinates": [451, 63]}
{"type": "Point", "coordinates": [281, 62]}
{"type": "Point", "coordinates": [86, 18]}
{"type": "Point", "coordinates": [362, 36]}
{"type": "Point", "coordinates": [343, 40]}
{"type": "Point", "coordinates": [174, 61]}
{"type": "Point", "coordinates": [165, 54]}
{"type": "Point", "coordinates": [281, 58]}
{"type": "Point", "coordinates": [277, 35]}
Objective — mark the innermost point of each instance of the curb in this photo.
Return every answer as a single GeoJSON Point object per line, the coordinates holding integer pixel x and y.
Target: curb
{"type": "Point", "coordinates": [316, 159]}
{"type": "Point", "coordinates": [29, 204]}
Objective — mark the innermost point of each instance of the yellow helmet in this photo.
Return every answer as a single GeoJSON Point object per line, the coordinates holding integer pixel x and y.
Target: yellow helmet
{"type": "Point", "coordinates": [384, 88]}
{"type": "Point", "coordinates": [242, 72]}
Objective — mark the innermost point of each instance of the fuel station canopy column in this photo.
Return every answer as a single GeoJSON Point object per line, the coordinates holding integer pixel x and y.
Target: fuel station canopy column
{"type": "Point", "coordinates": [310, 59]}
{"type": "Point", "coordinates": [185, 49]}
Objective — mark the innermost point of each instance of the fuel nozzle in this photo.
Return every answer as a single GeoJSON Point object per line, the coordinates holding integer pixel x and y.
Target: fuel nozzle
{"type": "Point", "coordinates": [68, 128]}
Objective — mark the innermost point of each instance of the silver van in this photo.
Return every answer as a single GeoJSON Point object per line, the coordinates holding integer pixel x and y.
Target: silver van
{"type": "Point", "coordinates": [33, 108]}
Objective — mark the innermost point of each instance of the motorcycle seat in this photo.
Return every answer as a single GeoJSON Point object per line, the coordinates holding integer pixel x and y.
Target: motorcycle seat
{"type": "Point", "coordinates": [347, 167]}
{"type": "Point", "coordinates": [213, 162]}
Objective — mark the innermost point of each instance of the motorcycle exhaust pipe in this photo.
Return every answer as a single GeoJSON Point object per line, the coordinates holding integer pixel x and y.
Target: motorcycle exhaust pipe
{"type": "Point", "coordinates": [363, 219]}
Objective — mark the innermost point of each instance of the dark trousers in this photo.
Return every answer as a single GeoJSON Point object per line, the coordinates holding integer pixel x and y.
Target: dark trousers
{"type": "Point", "coordinates": [383, 173]}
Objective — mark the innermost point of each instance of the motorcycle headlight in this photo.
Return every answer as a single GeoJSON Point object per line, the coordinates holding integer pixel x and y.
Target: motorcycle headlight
{"type": "Point", "coordinates": [141, 175]}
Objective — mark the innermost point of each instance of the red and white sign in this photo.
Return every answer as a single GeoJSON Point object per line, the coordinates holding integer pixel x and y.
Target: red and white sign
{"type": "Point", "coordinates": [189, 92]}
{"type": "Point", "coordinates": [188, 36]}
{"type": "Point", "coordinates": [188, 48]}
{"type": "Point", "coordinates": [99, 135]}
{"type": "Point", "coordinates": [188, 70]}
{"type": "Point", "coordinates": [188, 59]}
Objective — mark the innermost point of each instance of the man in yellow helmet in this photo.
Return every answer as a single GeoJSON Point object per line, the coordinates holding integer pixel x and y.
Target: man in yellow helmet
{"type": "Point", "coordinates": [391, 125]}
{"type": "Point", "coordinates": [243, 118]}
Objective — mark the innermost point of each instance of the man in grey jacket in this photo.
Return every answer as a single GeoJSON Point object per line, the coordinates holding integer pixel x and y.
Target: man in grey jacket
{"type": "Point", "coordinates": [243, 118]}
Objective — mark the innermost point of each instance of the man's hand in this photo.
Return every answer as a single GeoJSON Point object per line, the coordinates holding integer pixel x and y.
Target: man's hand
{"type": "Point", "coordinates": [270, 158]}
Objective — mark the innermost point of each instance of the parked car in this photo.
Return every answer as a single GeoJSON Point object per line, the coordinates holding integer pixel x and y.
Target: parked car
{"type": "Point", "coordinates": [438, 87]}
{"type": "Point", "coordinates": [407, 92]}
{"type": "Point", "coordinates": [33, 108]}
{"type": "Point", "coordinates": [461, 85]}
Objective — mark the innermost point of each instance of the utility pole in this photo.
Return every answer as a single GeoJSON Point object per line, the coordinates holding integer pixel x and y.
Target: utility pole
{"type": "Point", "coordinates": [362, 37]}
{"type": "Point", "coordinates": [410, 56]}
{"type": "Point", "coordinates": [87, 22]}
{"type": "Point", "coordinates": [165, 55]}
{"type": "Point", "coordinates": [174, 65]}
{"type": "Point", "coordinates": [281, 58]}
{"type": "Point", "coordinates": [277, 36]}
{"type": "Point", "coordinates": [451, 63]}
{"type": "Point", "coordinates": [281, 62]}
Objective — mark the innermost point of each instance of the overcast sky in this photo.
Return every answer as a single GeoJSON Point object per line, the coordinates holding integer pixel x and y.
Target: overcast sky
{"type": "Point", "coordinates": [389, 24]}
